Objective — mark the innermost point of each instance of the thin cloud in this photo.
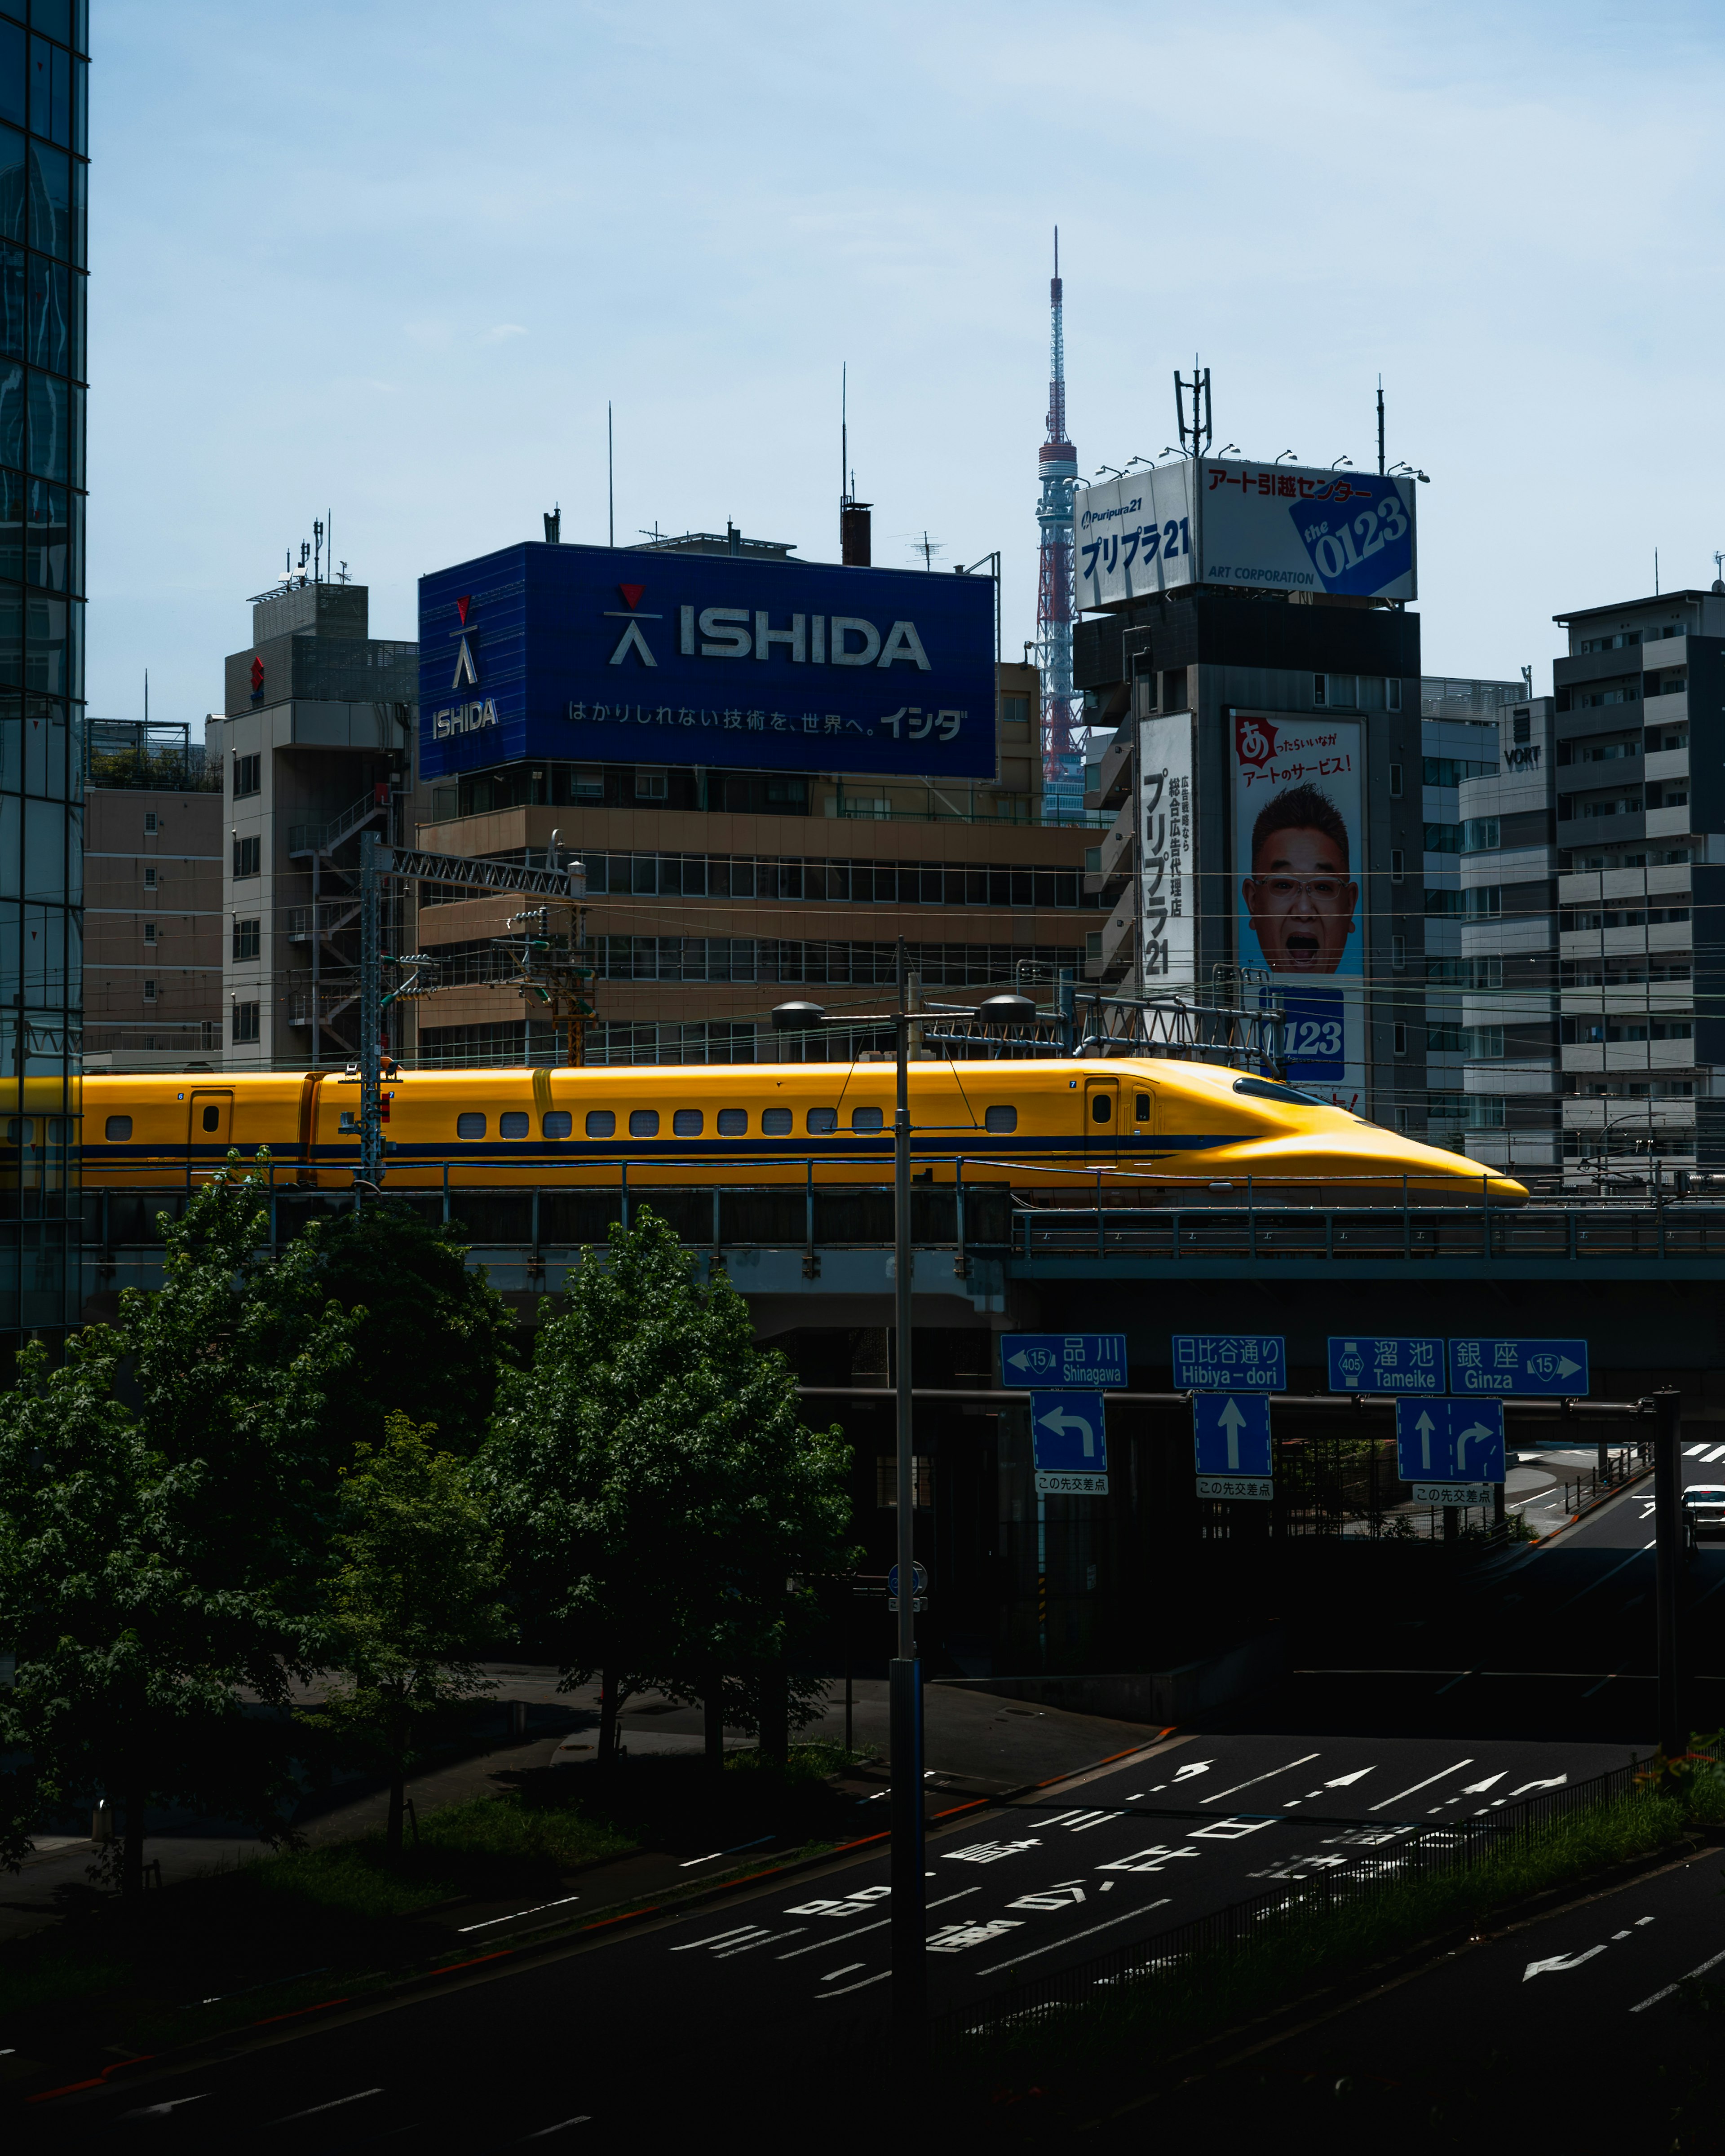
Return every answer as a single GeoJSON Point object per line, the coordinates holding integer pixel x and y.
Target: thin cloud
{"type": "Point", "coordinates": [502, 330]}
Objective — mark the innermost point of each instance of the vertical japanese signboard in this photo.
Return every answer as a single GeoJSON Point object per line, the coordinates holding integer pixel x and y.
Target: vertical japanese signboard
{"type": "Point", "coordinates": [1167, 911]}
{"type": "Point", "coordinates": [1299, 856]}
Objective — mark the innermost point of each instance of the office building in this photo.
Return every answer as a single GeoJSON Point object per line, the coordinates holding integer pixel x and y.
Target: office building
{"type": "Point", "coordinates": [313, 745]}
{"type": "Point", "coordinates": [1640, 837]}
{"type": "Point", "coordinates": [43, 170]}
{"type": "Point", "coordinates": [152, 900]}
{"type": "Point", "coordinates": [736, 858]}
{"type": "Point", "coordinates": [1458, 737]}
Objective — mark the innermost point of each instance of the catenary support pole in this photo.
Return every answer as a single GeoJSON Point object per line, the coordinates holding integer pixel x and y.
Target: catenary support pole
{"type": "Point", "coordinates": [374, 858]}
{"type": "Point", "coordinates": [1668, 1567]}
{"type": "Point", "coordinates": [909, 1969]}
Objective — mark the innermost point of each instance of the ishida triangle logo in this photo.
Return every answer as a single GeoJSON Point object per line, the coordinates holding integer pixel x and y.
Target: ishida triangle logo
{"type": "Point", "coordinates": [480, 711]}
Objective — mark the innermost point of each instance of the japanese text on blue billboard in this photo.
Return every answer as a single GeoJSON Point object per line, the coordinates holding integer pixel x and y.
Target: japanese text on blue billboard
{"type": "Point", "coordinates": [603, 654]}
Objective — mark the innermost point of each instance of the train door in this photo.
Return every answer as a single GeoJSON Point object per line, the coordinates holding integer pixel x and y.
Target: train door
{"type": "Point", "coordinates": [210, 1121]}
{"type": "Point", "coordinates": [1101, 1118]}
{"type": "Point", "coordinates": [1145, 1120]}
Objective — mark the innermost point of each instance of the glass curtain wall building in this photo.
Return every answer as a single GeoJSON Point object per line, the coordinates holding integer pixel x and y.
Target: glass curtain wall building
{"type": "Point", "coordinates": [43, 165]}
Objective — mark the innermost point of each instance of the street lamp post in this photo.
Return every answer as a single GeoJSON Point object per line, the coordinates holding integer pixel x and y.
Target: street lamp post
{"type": "Point", "coordinates": [910, 1979]}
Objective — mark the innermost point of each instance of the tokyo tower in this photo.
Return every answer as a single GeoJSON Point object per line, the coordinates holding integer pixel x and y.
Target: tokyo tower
{"type": "Point", "coordinates": [1057, 468]}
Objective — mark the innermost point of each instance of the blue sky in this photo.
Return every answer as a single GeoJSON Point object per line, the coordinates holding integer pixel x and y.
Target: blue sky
{"type": "Point", "coordinates": [391, 260]}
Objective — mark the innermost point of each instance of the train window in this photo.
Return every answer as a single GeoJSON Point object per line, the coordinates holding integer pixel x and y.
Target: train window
{"type": "Point", "coordinates": [469, 1124]}
{"type": "Point", "coordinates": [1101, 1107]}
{"type": "Point", "coordinates": [514, 1125]}
{"type": "Point", "coordinates": [688, 1122]}
{"type": "Point", "coordinates": [1140, 1107]}
{"type": "Point", "coordinates": [601, 1123]}
{"type": "Point", "coordinates": [733, 1122]}
{"type": "Point", "coordinates": [644, 1122]}
{"type": "Point", "coordinates": [819, 1121]}
{"type": "Point", "coordinates": [775, 1122]}
{"type": "Point", "coordinates": [117, 1129]}
{"type": "Point", "coordinates": [866, 1119]}
{"type": "Point", "coordinates": [558, 1124]}
{"type": "Point", "coordinates": [211, 1119]}
{"type": "Point", "coordinates": [1261, 1089]}
{"type": "Point", "coordinates": [1000, 1121]}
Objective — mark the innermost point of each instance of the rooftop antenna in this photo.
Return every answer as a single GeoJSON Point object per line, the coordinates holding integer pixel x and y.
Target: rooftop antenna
{"type": "Point", "coordinates": [843, 432]}
{"type": "Point", "coordinates": [1380, 426]}
{"type": "Point", "coordinates": [1197, 434]}
{"type": "Point", "coordinates": [610, 478]}
{"type": "Point", "coordinates": [317, 549]}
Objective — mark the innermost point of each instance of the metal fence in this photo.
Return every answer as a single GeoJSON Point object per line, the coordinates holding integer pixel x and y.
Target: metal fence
{"type": "Point", "coordinates": [1623, 1465]}
{"type": "Point", "coordinates": [1387, 1853]}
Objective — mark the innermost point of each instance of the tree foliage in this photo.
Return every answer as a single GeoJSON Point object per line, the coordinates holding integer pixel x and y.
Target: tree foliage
{"type": "Point", "coordinates": [416, 1586]}
{"type": "Point", "coordinates": [663, 1501]}
{"type": "Point", "coordinates": [431, 1338]}
{"type": "Point", "coordinates": [162, 1513]}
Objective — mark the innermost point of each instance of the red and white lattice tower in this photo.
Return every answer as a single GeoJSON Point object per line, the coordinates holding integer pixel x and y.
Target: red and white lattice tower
{"type": "Point", "coordinates": [1057, 468]}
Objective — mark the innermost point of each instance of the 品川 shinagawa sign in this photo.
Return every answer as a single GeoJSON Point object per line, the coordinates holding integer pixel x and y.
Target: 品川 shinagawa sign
{"type": "Point", "coordinates": [597, 654]}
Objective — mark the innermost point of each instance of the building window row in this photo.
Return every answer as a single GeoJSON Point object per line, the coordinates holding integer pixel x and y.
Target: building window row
{"type": "Point", "coordinates": [1451, 770]}
{"type": "Point", "coordinates": [721, 958]}
{"type": "Point", "coordinates": [495, 1045]}
{"type": "Point", "coordinates": [835, 882]}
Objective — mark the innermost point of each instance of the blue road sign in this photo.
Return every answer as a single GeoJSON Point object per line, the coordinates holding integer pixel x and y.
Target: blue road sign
{"type": "Point", "coordinates": [1518, 1366]}
{"type": "Point", "coordinates": [1449, 1440]}
{"type": "Point", "coordinates": [1231, 1434]}
{"type": "Point", "coordinates": [1068, 1432]}
{"type": "Point", "coordinates": [919, 1573]}
{"type": "Point", "coordinates": [1370, 1363]}
{"type": "Point", "coordinates": [1230, 1363]}
{"type": "Point", "coordinates": [1083, 1362]}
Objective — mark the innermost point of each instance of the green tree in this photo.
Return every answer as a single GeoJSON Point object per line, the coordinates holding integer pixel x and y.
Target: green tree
{"type": "Point", "coordinates": [416, 1587]}
{"type": "Point", "coordinates": [432, 1336]}
{"type": "Point", "coordinates": [661, 1495]}
{"type": "Point", "coordinates": [160, 1519]}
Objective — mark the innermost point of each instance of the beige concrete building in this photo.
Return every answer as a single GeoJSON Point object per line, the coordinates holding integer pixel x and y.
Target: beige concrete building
{"type": "Point", "coordinates": [152, 902]}
{"type": "Point", "coordinates": [714, 895]}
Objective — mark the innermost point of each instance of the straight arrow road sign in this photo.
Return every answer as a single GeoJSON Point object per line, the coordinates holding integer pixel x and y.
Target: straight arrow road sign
{"type": "Point", "coordinates": [1230, 1434]}
{"type": "Point", "coordinates": [1451, 1442]}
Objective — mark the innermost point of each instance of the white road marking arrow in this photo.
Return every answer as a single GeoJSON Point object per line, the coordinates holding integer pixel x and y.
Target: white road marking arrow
{"type": "Point", "coordinates": [1556, 1782]}
{"type": "Point", "coordinates": [1558, 1962]}
{"type": "Point", "coordinates": [1425, 1426]}
{"type": "Point", "coordinates": [1195, 1767]}
{"type": "Point", "coordinates": [1345, 1781]}
{"type": "Point", "coordinates": [1478, 1789]}
{"type": "Point", "coordinates": [1233, 1421]}
{"type": "Point", "coordinates": [1060, 1422]}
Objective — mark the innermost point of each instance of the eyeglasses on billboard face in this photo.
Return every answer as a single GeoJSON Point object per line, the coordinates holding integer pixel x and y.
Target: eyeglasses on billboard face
{"type": "Point", "coordinates": [1286, 890]}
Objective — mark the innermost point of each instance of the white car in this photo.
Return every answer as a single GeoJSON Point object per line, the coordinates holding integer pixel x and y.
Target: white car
{"type": "Point", "coordinates": [1704, 1507]}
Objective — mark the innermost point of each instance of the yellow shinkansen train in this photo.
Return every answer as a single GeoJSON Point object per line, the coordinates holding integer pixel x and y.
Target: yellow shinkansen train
{"type": "Point", "coordinates": [1155, 1125]}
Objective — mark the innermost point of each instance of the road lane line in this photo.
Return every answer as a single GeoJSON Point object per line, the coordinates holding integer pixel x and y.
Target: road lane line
{"type": "Point", "coordinates": [1418, 1786]}
{"type": "Point", "coordinates": [1708, 1458]}
{"type": "Point", "coordinates": [737, 1932]}
{"type": "Point", "coordinates": [862, 1984]}
{"type": "Point", "coordinates": [1711, 1962]}
{"type": "Point", "coordinates": [1072, 1938]}
{"type": "Point", "coordinates": [334, 2103]}
{"type": "Point", "coordinates": [514, 1913]}
{"type": "Point", "coordinates": [849, 1969]}
{"type": "Point", "coordinates": [562, 2126]}
{"type": "Point", "coordinates": [1602, 1579]}
{"type": "Point", "coordinates": [1216, 1796]}
{"type": "Point", "coordinates": [770, 1939]}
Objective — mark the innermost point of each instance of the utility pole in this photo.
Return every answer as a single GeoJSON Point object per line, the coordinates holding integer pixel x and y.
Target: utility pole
{"type": "Point", "coordinates": [1668, 1567]}
{"type": "Point", "coordinates": [909, 1974]}
{"type": "Point", "coordinates": [374, 858]}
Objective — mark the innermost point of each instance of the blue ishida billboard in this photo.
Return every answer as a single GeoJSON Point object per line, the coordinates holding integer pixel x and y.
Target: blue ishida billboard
{"type": "Point", "coordinates": [600, 654]}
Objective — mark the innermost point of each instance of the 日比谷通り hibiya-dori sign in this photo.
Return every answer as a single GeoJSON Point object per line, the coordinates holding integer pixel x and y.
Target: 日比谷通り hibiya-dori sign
{"type": "Point", "coordinates": [1257, 528]}
{"type": "Point", "coordinates": [599, 655]}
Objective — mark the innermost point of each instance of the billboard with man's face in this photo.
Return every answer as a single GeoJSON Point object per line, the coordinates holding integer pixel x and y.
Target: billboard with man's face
{"type": "Point", "coordinates": [1299, 839]}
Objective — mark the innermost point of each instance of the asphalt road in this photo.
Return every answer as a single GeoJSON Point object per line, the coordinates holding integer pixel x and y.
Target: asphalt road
{"type": "Point", "coordinates": [1013, 1891]}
